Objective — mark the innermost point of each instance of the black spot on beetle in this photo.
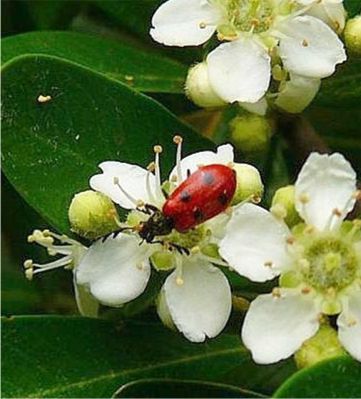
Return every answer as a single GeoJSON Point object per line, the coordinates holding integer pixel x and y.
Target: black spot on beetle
{"type": "Point", "coordinates": [198, 215]}
{"type": "Point", "coordinates": [208, 179]}
{"type": "Point", "coordinates": [185, 196]}
{"type": "Point", "coordinates": [223, 199]}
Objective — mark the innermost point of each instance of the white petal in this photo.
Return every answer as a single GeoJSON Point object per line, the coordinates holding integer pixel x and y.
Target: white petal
{"type": "Point", "coordinates": [239, 71]}
{"type": "Point", "coordinates": [259, 107]}
{"type": "Point", "coordinates": [297, 93]}
{"type": "Point", "coordinates": [132, 179]}
{"type": "Point", "coordinates": [178, 22]}
{"type": "Point", "coordinates": [274, 328]}
{"type": "Point", "coordinates": [201, 306]}
{"type": "Point", "coordinates": [310, 47]}
{"type": "Point", "coordinates": [349, 326]}
{"type": "Point", "coordinates": [328, 182]}
{"type": "Point", "coordinates": [255, 243]}
{"type": "Point", "coordinates": [115, 271]}
{"type": "Point", "coordinates": [333, 14]}
{"type": "Point", "coordinates": [224, 155]}
{"type": "Point", "coordinates": [88, 306]}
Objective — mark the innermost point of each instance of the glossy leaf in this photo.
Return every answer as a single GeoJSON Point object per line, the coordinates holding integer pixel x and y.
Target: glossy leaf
{"type": "Point", "coordinates": [78, 357]}
{"type": "Point", "coordinates": [50, 149]}
{"type": "Point", "coordinates": [142, 70]}
{"type": "Point", "coordinates": [336, 378]}
{"type": "Point", "coordinates": [171, 388]}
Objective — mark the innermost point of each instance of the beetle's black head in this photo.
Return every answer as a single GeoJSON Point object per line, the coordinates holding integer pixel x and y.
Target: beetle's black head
{"type": "Point", "coordinates": [156, 225]}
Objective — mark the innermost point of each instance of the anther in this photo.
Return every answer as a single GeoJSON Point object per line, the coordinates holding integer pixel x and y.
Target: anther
{"type": "Point", "coordinates": [140, 203]}
{"type": "Point", "coordinates": [256, 199]}
{"type": "Point", "coordinates": [351, 322]}
{"type": "Point", "coordinates": [304, 198]}
{"type": "Point", "coordinates": [151, 167]}
{"type": "Point", "coordinates": [276, 292]}
{"type": "Point", "coordinates": [309, 229]}
{"type": "Point", "coordinates": [290, 240]}
{"type": "Point", "coordinates": [195, 249]}
{"type": "Point", "coordinates": [115, 180]}
{"type": "Point", "coordinates": [28, 264]}
{"type": "Point", "coordinates": [177, 139]}
{"type": "Point", "coordinates": [337, 212]}
{"type": "Point", "coordinates": [29, 273]}
{"type": "Point", "coordinates": [304, 43]}
{"type": "Point", "coordinates": [202, 25]}
{"type": "Point", "coordinates": [269, 263]}
{"type": "Point", "coordinates": [306, 290]}
{"type": "Point", "coordinates": [357, 195]}
{"type": "Point", "coordinates": [158, 149]}
{"type": "Point", "coordinates": [179, 281]}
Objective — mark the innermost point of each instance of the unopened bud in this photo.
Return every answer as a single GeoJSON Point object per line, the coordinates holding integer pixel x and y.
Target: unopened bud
{"type": "Point", "coordinates": [352, 34]}
{"type": "Point", "coordinates": [249, 184]}
{"type": "Point", "coordinates": [199, 90]}
{"type": "Point", "coordinates": [323, 345]}
{"type": "Point", "coordinates": [250, 133]}
{"type": "Point", "coordinates": [284, 198]}
{"type": "Point", "coordinates": [163, 311]}
{"type": "Point", "coordinates": [92, 214]}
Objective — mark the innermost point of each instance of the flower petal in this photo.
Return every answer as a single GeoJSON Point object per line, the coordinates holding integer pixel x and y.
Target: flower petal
{"type": "Point", "coordinates": [179, 22]}
{"type": "Point", "coordinates": [88, 306]}
{"type": "Point", "coordinates": [115, 271]}
{"type": "Point", "coordinates": [259, 107]}
{"type": "Point", "coordinates": [224, 155]}
{"type": "Point", "coordinates": [327, 182]}
{"type": "Point", "coordinates": [200, 307]}
{"type": "Point", "coordinates": [332, 13]}
{"type": "Point", "coordinates": [132, 178]}
{"type": "Point", "coordinates": [297, 93]}
{"type": "Point", "coordinates": [255, 243]}
{"type": "Point", "coordinates": [275, 327]}
{"type": "Point", "coordinates": [349, 326]}
{"type": "Point", "coordinates": [310, 48]}
{"type": "Point", "coordinates": [239, 71]}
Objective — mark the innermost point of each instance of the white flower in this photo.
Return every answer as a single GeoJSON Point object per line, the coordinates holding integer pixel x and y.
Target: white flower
{"type": "Point", "coordinates": [319, 262]}
{"type": "Point", "coordinates": [115, 271]}
{"type": "Point", "coordinates": [255, 31]}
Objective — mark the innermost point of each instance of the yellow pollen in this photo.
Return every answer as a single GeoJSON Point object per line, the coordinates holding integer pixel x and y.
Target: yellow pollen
{"type": "Point", "coordinates": [304, 43]}
{"type": "Point", "coordinates": [195, 249]}
{"type": "Point", "coordinates": [140, 203]}
{"type": "Point", "coordinates": [255, 22]}
{"type": "Point", "coordinates": [157, 149]}
{"type": "Point", "coordinates": [151, 167]}
{"type": "Point", "coordinates": [177, 139]}
{"type": "Point", "coordinates": [43, 99]}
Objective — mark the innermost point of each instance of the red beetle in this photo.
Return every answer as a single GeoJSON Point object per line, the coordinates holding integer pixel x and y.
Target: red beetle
{"type": "Point", "coordinates": [204, 194]}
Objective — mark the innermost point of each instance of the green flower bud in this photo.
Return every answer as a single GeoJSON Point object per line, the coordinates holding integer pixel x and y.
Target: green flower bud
{"type": "Point", "coordinates": [323, 345]}
{"type": "Point", "coordinates": [250, 133]}
{"type": "Point", "coordinates": [249, 184]}
{"type": "Point", "coordinates": [198, 88]}
{"type": "Point", "coordinates": [283, 205]}
{"type": "Point", "coordinates": [92, 214]}
{"type": "Point", "coordinates": [352, 34]}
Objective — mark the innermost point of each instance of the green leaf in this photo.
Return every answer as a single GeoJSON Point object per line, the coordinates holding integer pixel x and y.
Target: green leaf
{"type": "Point", "coordinates": [170, 388]}
{"type": "Point", "coordinates": [336, 378]}
{"type": "Point", "coordinates": [142, 70]}
{"type": "Point", "coordinates": [353, 7]}
{"type": "Point", "coordinates": [51, 149]}
{"type": "Point", "coordinates": [79, 357]}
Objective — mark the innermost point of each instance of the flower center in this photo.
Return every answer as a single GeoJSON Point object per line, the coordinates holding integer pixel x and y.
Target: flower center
{"type": "Point", "coordinates": [245, 16]}
{"type": "Point", "coordinates": [329, 262]}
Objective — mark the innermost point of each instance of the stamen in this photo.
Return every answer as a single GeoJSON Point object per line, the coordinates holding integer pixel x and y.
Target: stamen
{"type": "Point", "coordinates": [304, 43]}
{"type": "Point", "coordinates": [158, 150]}
{"type": "Point", "coordinates": [129, 197]}
{"type": "Point", "coordinates": [268, 264]}
{"type": "Point", "coordinates": [178, 140]}
{"type": "Point", "coordinates": [306, 290]}
{"type": "Point", "coordinates": [202, 25]}
{"type": "Point", "coordinates": [276, 292]}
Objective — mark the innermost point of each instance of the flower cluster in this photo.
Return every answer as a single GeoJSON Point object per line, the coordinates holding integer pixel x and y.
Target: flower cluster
{"type": "Point", "coordinates": [115, 269]}
{"type": "Point", "coordinates": [317, 257]}
{"type": "Point", "coordinates": [293, 43]}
